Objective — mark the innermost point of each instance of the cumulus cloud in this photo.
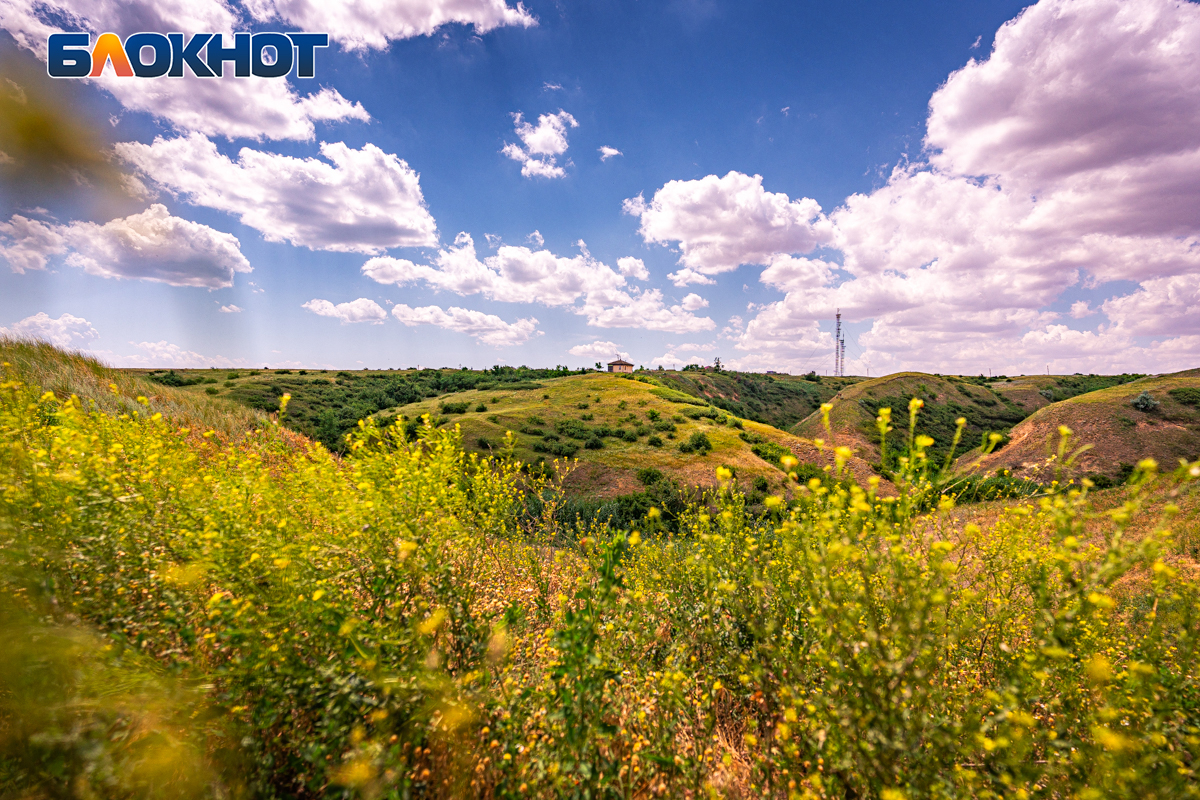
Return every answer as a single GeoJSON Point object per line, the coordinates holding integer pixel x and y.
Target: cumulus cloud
{"type": "Point", "coordinates": [361, 310]}
{"type": "Point", "coordinates": [521, 275]}
{"type": "Point", "coordinates": [152, 245]}
{"type": "Point", "coordinates": [66, 331]}
{"type": "Point", "coordinates": [361, 26]}
{"type": "Point", "coordinates": [231, 309]}
{"type": "Point", "coordinates": [632, 267]}
{"type": "Point", "coordinates": [487, 328]}
{"type": "Point", "coordinates": [255, 108]}
{"type": "Point", "coordinates": [362, 201]}
{"type": "Point", "coordinates": [599, 350]}
{"type": "Point", "coordinates": [694, 302]}
{"type": "Point", "coordinates": [722, 223]}
{"type": "Point", "coordinates": [607, 152]}
{"type": "Point", "coordinates": [1069, 157]}
{"type": "Point", "coordinates": [165, 354]}
{"type": "Point", "coordinates": [542, 144]}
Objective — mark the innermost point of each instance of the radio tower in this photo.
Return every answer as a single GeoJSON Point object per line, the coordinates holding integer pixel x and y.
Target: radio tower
{"type": "Point", "coordinates": [839, 347]}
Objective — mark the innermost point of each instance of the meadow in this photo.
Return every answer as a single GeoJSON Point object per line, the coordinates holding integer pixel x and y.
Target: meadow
{"type": "Point", "coordinates": [198, 602]}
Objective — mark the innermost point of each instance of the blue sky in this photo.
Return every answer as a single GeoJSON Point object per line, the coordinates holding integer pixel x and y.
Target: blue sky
{"type": "Point", "coordinates": [1001, 222]}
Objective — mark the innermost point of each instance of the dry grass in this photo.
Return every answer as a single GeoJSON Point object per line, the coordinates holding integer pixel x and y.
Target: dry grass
{"type": "Point", "coordinates": [116, 392]}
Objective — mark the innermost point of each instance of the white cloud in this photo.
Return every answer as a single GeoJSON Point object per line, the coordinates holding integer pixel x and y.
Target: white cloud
{"type": "Point", "coordinates": [543, 143]}
{"type": "Point", "coordinates": [254, 108]}
{"type": "Point", "coordinates": [632, 267]}
{"type": "Point", "coordinates": [721, 223]}
{"type": "Point", "coordinates": [152, 245]}
{"type": "Point", "coordinates": [487, 328]}
{"type": "Point", "coordinates": [361, 310]}
{"type": "Point", "coordinates": [66, 331]}
{"type": "Point", "coordinates": [694, 302]}
{"type": "Point", "coordinates": [607, 152]}
{"type": "Point", "coordinates": [165, 354]}
{"type": "Point", "coordinates": [689, 277]}
{"type": "Point", "coordinates": [521, 275]}
{"type": "Point", "coordinates": [1081, 309]}
{"type": "Point", "coordinates": [536, 239]}
{"type": "Point", "coordinates": [599, 350]}
{"type": "Point", "coordinates": [362, 201]}
{"type": "Point", "coordinates": [231, 309]}
{"type": "Point", "coordinates": [361, 26]}
{"type": "Point", "coordinates": [235, 108]}
{"type": "Point", "coordinates": [1070, 156]}
{"type": "Point", "coordinates": [27, 244]}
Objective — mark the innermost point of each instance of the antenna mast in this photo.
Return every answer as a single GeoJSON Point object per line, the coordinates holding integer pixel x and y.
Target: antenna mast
{"type": "Point", "coordinates": [839, 347]}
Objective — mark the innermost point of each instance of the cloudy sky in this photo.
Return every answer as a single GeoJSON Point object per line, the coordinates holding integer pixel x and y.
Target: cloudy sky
{"type": "Point", "coordinates": [981, 186]}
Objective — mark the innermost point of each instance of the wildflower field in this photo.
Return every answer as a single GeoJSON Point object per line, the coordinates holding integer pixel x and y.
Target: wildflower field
{"type": "Point", "coordinates": [195, 605]}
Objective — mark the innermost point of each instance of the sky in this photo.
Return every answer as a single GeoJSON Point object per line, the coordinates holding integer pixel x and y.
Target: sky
{"type": "Point", "coordinates": [983, 187]}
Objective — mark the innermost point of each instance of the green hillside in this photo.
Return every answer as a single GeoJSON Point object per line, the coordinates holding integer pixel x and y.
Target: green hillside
{"type": "Point", "coordinates": [1120, 429]}
{"type": "Point", "coordinates": [615, 426]}
{"type": "Point", "coordinates": [777, 400]}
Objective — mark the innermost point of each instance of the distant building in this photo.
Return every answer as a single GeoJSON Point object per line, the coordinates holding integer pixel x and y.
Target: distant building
{"type": "Point", "coordinates": [620, 365]}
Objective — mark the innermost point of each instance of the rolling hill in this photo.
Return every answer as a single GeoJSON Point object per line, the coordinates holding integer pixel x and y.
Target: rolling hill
{"type": "Point", "coordinates": [617, 426]}
{"type": "Point", "coordinates": [1120, 433]}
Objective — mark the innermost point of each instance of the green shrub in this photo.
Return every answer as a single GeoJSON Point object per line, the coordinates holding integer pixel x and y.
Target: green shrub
{"type": "Point", "coordinates": [697, 443]}
{"type": "Point", "coordinates": [593, 443]}
{"type": "Point", "coordinates": [480, 408]}
{"type": "Point", "coordinates": [453, 408]}
{"type": "Point", "coordinates": [1186, 395]}
{"type": "Point", "coordinates": [212, 390]}
{"type": "Point", "coordinates": [1145, 402]}
{"type": "Point", "coordinates": [649, 475]}
{"type": "Point", "coordinates": [654, 441]}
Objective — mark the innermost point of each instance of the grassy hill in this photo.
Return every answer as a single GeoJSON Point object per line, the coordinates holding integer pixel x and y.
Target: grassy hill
{"type": "Point", "coordinates": [638, 424]}
{"type": "Point", "coordinates": [946, 399]}
{"type": "Point", "coordinates": [990, 405]}
{"type": "Point", "coordinates": [617, 426]}
{"type": "Point", "coordinates": [1121, 434]}
{"type": "Point", "coordinates": [777, 400]}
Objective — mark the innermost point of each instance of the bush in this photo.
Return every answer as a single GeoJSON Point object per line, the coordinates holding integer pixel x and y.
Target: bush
{"type": "Point", "coordinates": [480, 408]}
{"type": "Point", "coordinates": [649, 475]}
{"type": "Point", "coordinates": [1186, 395]}
{"type": "Point", "coordinates": [1145, 402]}
{"type": "Point", "coordinates": [581, 405]}
{"type": "Point", "coordinates": [454, 408]}
{"type": "Point", "coordinates": [697, 443]}
{"type": "Point", "coordinates": [654, 441]}
{"type": "Point", "coordinates": [630, 436]}
{"type": "Point", "coordinates": [594, 443]}
{"type": "Point", "coordinates": [760, 484]}
{"type": "Point", "coordinates": [212, 390]}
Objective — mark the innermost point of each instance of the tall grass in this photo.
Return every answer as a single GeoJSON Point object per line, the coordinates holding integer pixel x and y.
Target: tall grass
{"type": "Point", "coordinates": [255, 618]}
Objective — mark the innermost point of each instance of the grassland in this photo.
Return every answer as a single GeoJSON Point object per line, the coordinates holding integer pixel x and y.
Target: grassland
{"type": "Point", "coordinates": [195, 615]}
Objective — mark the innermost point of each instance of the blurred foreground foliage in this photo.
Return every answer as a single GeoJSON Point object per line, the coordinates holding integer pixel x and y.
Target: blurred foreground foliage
{"type": "Point", "coordinates": [191, 615]}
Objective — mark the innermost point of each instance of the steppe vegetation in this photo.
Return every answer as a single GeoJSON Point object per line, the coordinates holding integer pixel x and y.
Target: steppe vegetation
{"type": "Point", "coordinates": [198, 602]}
